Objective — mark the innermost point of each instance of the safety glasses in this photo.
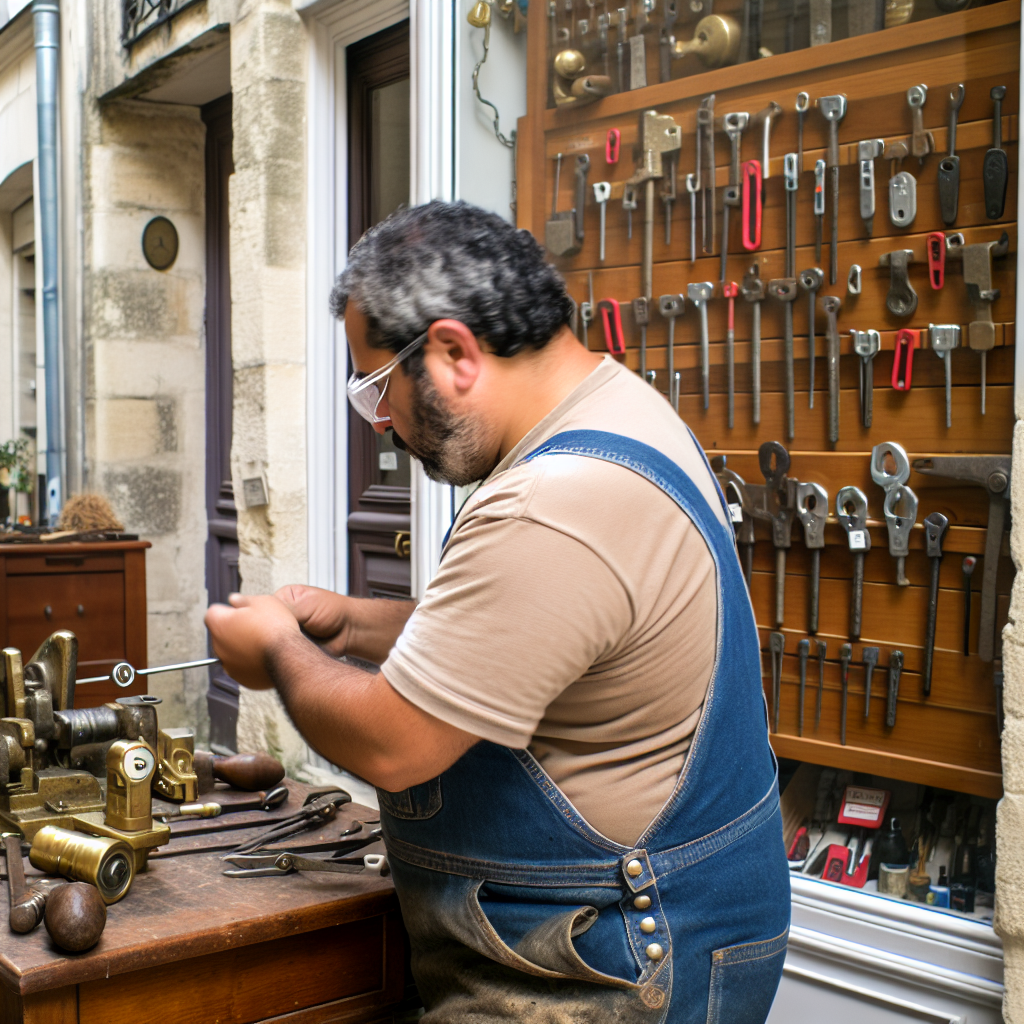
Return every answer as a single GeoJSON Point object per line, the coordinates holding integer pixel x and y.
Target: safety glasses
{"type": "Point", "coordinates": [365, 391]}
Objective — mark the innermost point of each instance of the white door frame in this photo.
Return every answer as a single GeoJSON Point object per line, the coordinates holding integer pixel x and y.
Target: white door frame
{"type": "Point", "coordinates": [333, 26]}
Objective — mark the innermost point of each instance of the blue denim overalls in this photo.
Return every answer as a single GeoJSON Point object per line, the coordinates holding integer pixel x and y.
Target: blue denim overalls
{"type": "Point", "coordinates": [517, 910]}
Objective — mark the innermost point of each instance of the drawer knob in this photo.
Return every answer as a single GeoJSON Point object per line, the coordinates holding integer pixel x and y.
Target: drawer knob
{"type": "Point", "coordinates": [81, 609]}
{"type": "Point", "coordinates": [48, 612]}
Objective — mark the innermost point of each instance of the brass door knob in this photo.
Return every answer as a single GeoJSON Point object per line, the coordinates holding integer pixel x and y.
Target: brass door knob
{"type": "Point", "coordinates": [403, 543]}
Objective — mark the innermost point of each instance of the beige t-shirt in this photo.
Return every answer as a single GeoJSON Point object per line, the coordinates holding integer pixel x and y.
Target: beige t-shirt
{"type": "Point", "coordinates": [574, 612]}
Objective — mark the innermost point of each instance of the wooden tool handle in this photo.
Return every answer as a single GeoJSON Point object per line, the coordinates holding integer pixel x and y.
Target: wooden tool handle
{"type": "Point", "coordinates": [76, 916]}
{"type": "Point", "coordinates": [251, 772]}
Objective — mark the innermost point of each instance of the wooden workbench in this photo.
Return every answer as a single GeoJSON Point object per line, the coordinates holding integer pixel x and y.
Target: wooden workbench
{"type": "Point", "coordinates": [189, 944]}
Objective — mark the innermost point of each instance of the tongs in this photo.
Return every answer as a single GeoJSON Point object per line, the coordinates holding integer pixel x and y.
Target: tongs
{"type": "Point", "coordinates": [318, 811]}
{"type": "Point", "coordinates": [284, 862]}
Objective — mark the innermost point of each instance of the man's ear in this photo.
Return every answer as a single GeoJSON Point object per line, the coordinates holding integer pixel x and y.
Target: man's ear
{"type": "Point", "coordinates": [453, 357]}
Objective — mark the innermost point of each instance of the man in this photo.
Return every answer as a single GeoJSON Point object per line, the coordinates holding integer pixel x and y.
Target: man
{"type": "Point", "coordinates": [568, 733]}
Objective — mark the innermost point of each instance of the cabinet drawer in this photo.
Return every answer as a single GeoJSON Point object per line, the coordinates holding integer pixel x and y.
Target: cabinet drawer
{"type": "Point", "coordinates": [91, 605]}
{"type": "Point", "coordinates": [33, 565]}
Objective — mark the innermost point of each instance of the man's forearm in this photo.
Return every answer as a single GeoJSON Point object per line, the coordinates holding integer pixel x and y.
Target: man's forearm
{"type": "Point", "coordinates": [358, 721]}
{"type": "Point", "coordinates": [376, 625]}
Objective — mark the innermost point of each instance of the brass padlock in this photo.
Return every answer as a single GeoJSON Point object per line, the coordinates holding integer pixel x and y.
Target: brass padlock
{"type": "Point", "coordinates": [130, 768]}
{"type": "Point", "coordinates": [107, 863]}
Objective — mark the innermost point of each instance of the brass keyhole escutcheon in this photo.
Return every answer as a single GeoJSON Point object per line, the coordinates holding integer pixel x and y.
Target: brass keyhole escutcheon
{"type": "Point", "coordinates": [403, 543]}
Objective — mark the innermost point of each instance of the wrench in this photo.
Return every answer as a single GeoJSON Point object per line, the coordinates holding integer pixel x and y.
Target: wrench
{"type": "Point", "coordinates": [831, 305]}
{"type": "Point", "coordinates": [995, 169]}
{"type": "Point", "coordinates": [901, 299]}
{"type": "Point", "coordinates": [866, 345]}
{"type": "Point", "coordinates": [819, 206]}
{"type": "Point", "coordinates": [921, 141]}
{"type": "Point", "coordinates": [753, 292]}
{"type": "Point", "coordinates": [730, 291]}
{"type": "Point", "coordinates": [852, 513]}
{"type": "Point", "coordinates": [784, 289]}
{"type": "Point", "coordinates": [811, 280]}
{"type": "Point", "coordinates": [949, 166]}
{"type": "Point", "coordinates": [993, 473]}
{"type": "Point", "coordinates": [780, 502]}
{"type": "Point", "coordinates": [777, 645]}
{"type": "Point", "coordinates": [943, 339]}
{"type": "Point", "coordinates": [812, 511]}
{"type": "Point", "coordinates": [868, 152]}
{"type": "Point", "coordinates": [671, 306]}
{"type": "Point", "coordinates": [803, 649]}
{"type": "Point", "coordinates": [935, 527]}
{"type": "Point", "coordinates": [833, 108]}
{"type": "Point", "coordinates": [699, 293]}
{"type": "Point", "coordinates": [692, 188]}
{"type": "Point", "coordinates": [897, 495]}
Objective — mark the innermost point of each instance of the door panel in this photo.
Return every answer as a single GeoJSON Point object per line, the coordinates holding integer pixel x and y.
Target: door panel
{"type": "Point", "coordinates": [379, 474]}
{"type": "Point", "coordinates": [222, 576]}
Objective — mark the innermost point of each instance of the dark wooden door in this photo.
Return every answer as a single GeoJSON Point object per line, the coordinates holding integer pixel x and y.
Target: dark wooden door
{"type": "Point", "coordinates": [222, 577]}
{"type": "Point", "coordinates": [379, 474]}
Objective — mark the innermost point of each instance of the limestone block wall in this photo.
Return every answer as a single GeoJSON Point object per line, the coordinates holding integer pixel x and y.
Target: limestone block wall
{"type": "Point", "coordinates": [145, 366]}
{"type": "Point", "coordinates": [268, 246]}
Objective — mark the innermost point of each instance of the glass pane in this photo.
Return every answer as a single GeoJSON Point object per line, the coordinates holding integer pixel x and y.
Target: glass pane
{"type": "Point", "coordinates": [389, 157]}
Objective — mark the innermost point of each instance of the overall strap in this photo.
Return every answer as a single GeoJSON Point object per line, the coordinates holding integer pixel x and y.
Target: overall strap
{"type": "Point", "coordinates": [651, 464]}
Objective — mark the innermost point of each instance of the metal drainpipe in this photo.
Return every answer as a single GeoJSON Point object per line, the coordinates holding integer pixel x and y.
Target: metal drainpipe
{"type": "Point", "coordinates": [45, 19]}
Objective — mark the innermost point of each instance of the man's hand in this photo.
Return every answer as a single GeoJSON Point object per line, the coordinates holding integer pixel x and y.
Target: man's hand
{"type": "Point", "coordinates": [245, 633]}
{"type": "Point", "coordinates": [365, 627]}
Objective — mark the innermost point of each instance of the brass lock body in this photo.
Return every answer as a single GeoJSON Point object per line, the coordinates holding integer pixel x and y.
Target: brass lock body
{"type": "Point", "coordinates": [176, 777]}
{"type": "Point", "coordinates": [105, 862]}
{"type": "Point", "coordinates": [130, 768]}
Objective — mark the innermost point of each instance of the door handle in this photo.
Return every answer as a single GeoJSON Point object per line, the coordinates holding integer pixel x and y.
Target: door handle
{"type": "Point", "coordinates": [403, 543]}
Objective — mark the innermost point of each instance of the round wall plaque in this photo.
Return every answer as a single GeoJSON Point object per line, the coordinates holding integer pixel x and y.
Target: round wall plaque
{"type": "Point", "coordinates": [160, 243]}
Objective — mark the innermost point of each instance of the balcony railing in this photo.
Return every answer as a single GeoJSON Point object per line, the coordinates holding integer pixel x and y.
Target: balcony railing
{"type": "Point", "coordinates": [139, 17]}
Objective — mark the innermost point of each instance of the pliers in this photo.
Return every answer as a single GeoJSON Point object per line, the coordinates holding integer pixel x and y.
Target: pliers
{"type": "Point", "coordinates": [284, 862]}
{"type": "Point", "coordinates": [320, 810]}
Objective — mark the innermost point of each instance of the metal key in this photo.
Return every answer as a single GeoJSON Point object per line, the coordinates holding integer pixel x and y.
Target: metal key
{"type": "Point", "coordinates": [870, 659]}
{"type": "Point", "coordinates": [803, 102]}
{"type": "Point", "coordinates": [777, 646]}
{"type": "Point", "coordinates": [852, 513]}
{"type": "Point", "coordinates": [831, 304]}
{"type": "Point", "coordinates": [949, 165]}
{"type": "Point", "coordinates": [900, 505]}
{"type": "Point", "coordinates": [803, 650]}
{"type": "Point", "coordinates": [753, 292]}
{"type": "Point", "coordinates": [868, 152]}
{"type": "Point", "coordinates": [935, 526]}
{"type": "Point", "coordinates": [780, 502]}
{"type": "Point", "coordinates": [602, 193]}
{"type": "Point", "coordinates": [811, 280]}
{"type": "Point", "coordinates": [866, 345]}
{"type": "Point", "coordinates": [822, 651]}
{"type": "Point", "coordinates": [699, 293]}
{"type": "Point", "coordinates": [845, 656]}
{"type": "Point", "coordinates": [834, 110]}
{"type": "Point", "coordinates": [812, 511]}
{"type": "Point", "coordinates": [943, 338]}
{"type": "Point", "coordinates": [671, 306]}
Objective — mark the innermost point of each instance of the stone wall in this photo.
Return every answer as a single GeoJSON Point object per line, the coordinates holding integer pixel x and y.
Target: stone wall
{"type": "Point", "coordinates": [145, 366]}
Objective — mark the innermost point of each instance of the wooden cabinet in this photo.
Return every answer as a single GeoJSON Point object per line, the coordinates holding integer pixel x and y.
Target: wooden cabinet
{"type": "Point", "coordinates": [98, 591]}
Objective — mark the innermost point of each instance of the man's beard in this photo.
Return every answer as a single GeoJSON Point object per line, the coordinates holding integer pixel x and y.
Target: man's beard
{"type": "Point", "coordinates": [450, 450]}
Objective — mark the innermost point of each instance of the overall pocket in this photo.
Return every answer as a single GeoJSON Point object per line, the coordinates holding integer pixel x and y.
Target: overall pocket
{"type": "Point", "coordinates": [415, 803]}
{"type": "Point", "coordinates": [744, 979]}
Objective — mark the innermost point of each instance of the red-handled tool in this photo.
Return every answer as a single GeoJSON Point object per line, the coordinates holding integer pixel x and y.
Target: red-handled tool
{"type": "Point", "coordinates": [903, 362]}
{"type": "Point", "coordinates": [611, 146]}
{"type": "Point", "coordinates": [936, 243]}
{"type": "Point", "coordinates": [752, 197]}
{"type": "Point", "coordinates": [611, 321]}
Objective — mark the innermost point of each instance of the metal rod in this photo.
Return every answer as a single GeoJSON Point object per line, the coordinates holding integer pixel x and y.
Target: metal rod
{"type": "Point", "coordinates": [156, 670]}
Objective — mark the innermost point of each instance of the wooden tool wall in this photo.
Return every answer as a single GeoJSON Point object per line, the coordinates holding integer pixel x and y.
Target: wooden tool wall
{"type": "Point", "coordinates": [951, 738]}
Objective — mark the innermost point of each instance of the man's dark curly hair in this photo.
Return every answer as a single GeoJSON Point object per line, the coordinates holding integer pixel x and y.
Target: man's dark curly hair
{"type": "Point", "coordinates": [452, 261]}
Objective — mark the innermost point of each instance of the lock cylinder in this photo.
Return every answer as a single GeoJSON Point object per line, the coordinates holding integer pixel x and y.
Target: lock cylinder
{"type": "Point", "coordinates": [109, 864]}
{"type": "Point", "coordinates": [130, 768]}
